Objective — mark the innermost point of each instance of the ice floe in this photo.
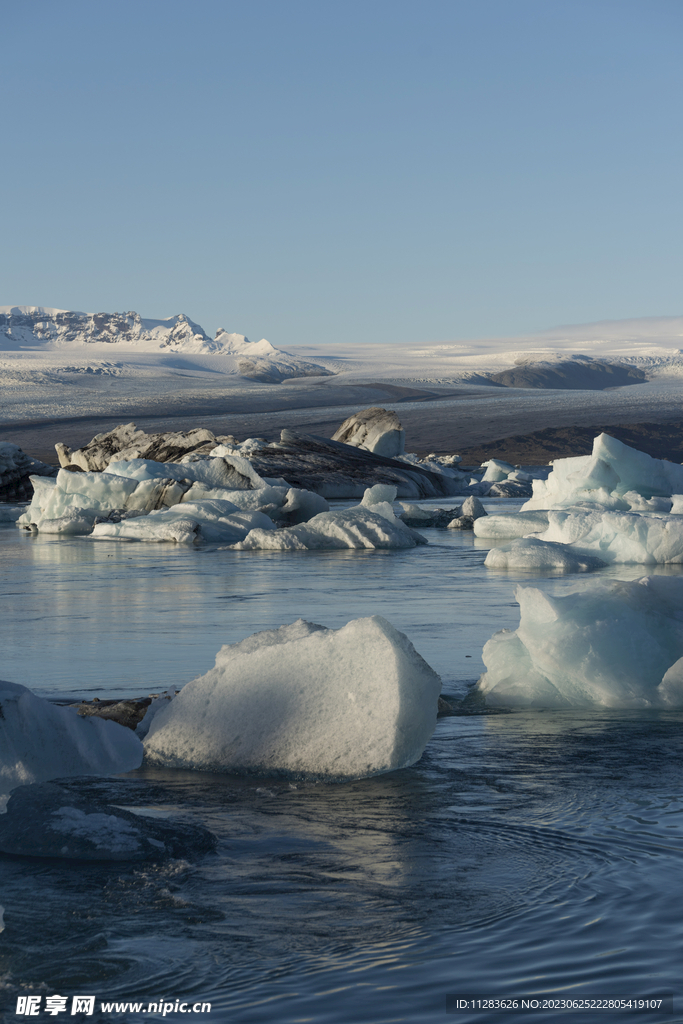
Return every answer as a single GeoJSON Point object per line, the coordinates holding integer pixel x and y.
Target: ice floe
{"type": "Point", "coordinates": [303, 700]}
{"type": "Point", "coordinates": [371, 524]}
{"type": "Point", "coordinates": [605, 643]}
{"type": "Point", "coordinates": [40, 741]}
{"type": "Point", "coordinates": [510, 525]}
{"type": "Point", "coordinates": [531, 554]}
{"type": "Point", "coordinates": [644, 538]}
{"type": "Point", "coordinates": [213, 520]}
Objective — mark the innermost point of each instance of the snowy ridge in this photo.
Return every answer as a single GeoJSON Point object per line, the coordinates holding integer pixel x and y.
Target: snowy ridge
{"type": "Point", "coordinates": [41, 329]}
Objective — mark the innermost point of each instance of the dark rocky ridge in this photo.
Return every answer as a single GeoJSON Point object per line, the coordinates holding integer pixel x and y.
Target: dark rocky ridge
{"type": "Point", "coordinates": [574, 375]}
{"type": "Point", "coordinates": [659, 440]}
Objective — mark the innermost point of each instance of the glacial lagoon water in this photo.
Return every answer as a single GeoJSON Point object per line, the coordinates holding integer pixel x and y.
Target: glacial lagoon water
{"type": "Point", "coordinates": [534, 854]}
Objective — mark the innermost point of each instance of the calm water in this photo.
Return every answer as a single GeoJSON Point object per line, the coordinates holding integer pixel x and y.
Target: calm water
{"type": "Point", "coordinates": [528, 853]}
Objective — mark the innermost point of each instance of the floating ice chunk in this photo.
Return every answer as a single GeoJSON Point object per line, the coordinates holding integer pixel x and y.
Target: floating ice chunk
{"type": "Point", "coordinates": [605, 642]}
{"type": "Point", "coordinates": [302, 505]}
{"type": "Point", "coordinates": [51, 820]}
{"type": "Point", "coordinates": [356, 527]}
{"type": "Point", "coordinates": [607, 476]}
{"type": "Point", "coordinates": [81, 495]}
{"type": "Point", "coordinates": [512, 524]}
{"type": "Point", "coordinates": [40, 741]}
{"type": "Point", "coordinates": [306, 701]}
{"type": "Point", "coordinates": [530, 553]}
{"type": "Point", "coordinates": [473, 508]}
{"type": "Point", "coordinates": [214, 521]}
{"type": "Point", "coordinates": [677, 505]}
{"type": "Point", "coordinates": [379, 494]}
{"type": "Point", "coordinates": [644, 538]}
{"type": "Point", "coordinates": [74, 522]}
{"type": "Point", "coordinates": [496, 470]}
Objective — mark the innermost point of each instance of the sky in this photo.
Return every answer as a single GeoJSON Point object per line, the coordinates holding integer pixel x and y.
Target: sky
{"type": "Point", "coordinates": [319, 171]}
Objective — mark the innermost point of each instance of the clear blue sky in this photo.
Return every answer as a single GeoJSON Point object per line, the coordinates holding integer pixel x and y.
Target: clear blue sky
{"type": "Point", "coordinates": [374, 170]}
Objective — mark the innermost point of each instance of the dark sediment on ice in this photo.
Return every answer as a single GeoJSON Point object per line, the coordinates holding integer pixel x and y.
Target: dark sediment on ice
{"type": "Point", "coordinates": [336, 469]}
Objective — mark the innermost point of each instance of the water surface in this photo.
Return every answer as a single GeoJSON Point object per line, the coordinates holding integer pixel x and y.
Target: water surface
{"type": "Point", "coordinates": [527, 853]}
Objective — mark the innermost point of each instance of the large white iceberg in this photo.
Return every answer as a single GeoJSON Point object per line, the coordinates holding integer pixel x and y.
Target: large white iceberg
{"type": "Point", "coordinates": [614, 476]}
{"type": "Point", "coordinates": [304, 700]}
{"type": "Point", "coordinates": [84, 496]}
{"type": "Point", "coordinates": [644, 538]}
{"type": "Point", "coordinates": [605, 643]}
{"type": "Point", "coordinates": [41, 741]}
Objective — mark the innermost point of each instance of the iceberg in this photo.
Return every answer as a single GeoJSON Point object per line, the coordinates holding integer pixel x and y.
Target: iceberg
{"type": "Point", "coordinates": [376, 430]}
{"type": "Point", "coordinates": [530, 553]}
{"type": "Point", "coordinates": [614, 476]}
{"type": "Point", "coordinates": [41, 741]}
{"type": "Point", "coordinates": [496, 470]}
{"type": "Point", "coordinates": [76, 501]}
{"type": "Point", "coordinates": [644, 538]}
{"type": "Point", "coordinates": [510, 525]}
{"type": "Point", "coordinates": [213, 521]}
{"type": "Point", "coordinates": [604, 643]}
{"type": "Point", "coordinates": [16, 469]}
{"type": "Point", "coordinates": [303, 701]}
{"type": "Point", "coordinates": [81, 497]}
{"type": "Point", "coordinates": [372, 524]}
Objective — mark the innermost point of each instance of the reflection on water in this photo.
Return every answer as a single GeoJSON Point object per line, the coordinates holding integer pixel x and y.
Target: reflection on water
{"type": "Point", "coordinates": [527, 853]}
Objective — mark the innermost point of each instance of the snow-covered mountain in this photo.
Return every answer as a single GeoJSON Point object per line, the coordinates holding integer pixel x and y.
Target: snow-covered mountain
{"type": "Point", "coordinates": [38, 328]}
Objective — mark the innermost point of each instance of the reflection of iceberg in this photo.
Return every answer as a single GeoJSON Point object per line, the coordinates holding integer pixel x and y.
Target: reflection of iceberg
{"type": "Point", "coordinates": [306, 701]}
{"type": "Point", "coordinates": [606, 643]}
